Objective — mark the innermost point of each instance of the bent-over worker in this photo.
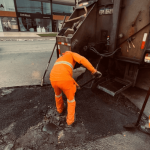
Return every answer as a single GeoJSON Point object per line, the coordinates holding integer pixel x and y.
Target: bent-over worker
{"type": "Point", "coordinates": [61, 80]}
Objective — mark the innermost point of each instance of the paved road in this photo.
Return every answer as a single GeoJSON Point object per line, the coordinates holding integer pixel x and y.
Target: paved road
{"type": "Point", "coordinates": [99, 121]}
{"type": "Point", "coordinates": [24, 62]}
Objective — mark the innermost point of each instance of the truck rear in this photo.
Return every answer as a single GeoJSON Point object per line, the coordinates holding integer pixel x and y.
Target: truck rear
{"type": "Point", "coordinates": [114, 36]}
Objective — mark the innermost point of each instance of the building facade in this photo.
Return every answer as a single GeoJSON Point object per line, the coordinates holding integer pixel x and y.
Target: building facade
{"type": "Point", "coordinates": [32, 15]}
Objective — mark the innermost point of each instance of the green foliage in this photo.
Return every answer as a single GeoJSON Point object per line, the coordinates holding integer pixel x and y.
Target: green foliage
{"type": "Point", "coordinates": [48, 35]}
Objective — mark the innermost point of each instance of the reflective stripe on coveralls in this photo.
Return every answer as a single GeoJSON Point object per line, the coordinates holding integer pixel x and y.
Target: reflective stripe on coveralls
{"type": "Point", "coordinates": [70, 101]}
{"type": "Point", "coordinates": [62, 43]}
{"type": "Point", "coordinates": [59, 102]}
{"type": "Point", "coordinates": [64, 62]}
{"type": "Point", "coordinates": [58, 95]}
{"type": "Point", "coordinates": [69, 89]}
{"type": "Point", "coordinates": [64, 72]}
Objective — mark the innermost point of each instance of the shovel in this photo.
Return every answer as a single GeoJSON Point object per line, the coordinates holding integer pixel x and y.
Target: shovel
{"type": "Point", "coordinates": [42, 81]}
{"type": "Point", "coordinates": [135, 125]}
{"type": "Point", "coordinates": [81, 86]}
{"type": "Point", "coordinates": [87, 82]}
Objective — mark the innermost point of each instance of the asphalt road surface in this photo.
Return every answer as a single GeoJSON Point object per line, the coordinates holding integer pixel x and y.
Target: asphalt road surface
{"type": "Point", "coordinates": [24, 62]}
{"type": "Point", "coordinates": [99, 117]}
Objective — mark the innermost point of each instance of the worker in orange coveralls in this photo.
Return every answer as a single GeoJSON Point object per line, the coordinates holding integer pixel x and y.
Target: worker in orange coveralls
{"type": "Point", "coordinates": [61, 80]}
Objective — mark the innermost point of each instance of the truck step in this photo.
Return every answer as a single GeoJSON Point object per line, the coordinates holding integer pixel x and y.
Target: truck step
{"type": "Point", "coordinates": [114, 86]}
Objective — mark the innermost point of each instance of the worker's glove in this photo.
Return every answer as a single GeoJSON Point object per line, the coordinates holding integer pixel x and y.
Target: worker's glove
{"type": "Point", "coordinates": [78, 87]}
{"type": "Point", "coordinates": [97, 74]}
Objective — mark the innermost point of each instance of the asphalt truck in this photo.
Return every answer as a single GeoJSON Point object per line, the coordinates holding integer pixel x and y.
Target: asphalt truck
{"type": "Point", "coordinates": [114, 36]}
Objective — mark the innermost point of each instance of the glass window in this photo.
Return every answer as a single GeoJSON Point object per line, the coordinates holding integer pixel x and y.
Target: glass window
{"type": "Point", "coordinates": [35, 24]}
{"type": "Point", "coordinates": [59, 9]}
{"type": "Point", "coordinates": [7, 5]}
{"type": "Point", "coordinates": [28, 6]}
{"type": "Point", "coordinates": [46, 8]}
{"type": "Point", "coordinates": [9, 24]}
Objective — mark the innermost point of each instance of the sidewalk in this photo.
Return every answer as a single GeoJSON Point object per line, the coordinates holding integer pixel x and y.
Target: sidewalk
{"type": "Point", "coordinates": [27, 38]}
{"type": "Point", "coordinates": [22, 34]}
{"type": "Point", "coordinates": [24, 62]}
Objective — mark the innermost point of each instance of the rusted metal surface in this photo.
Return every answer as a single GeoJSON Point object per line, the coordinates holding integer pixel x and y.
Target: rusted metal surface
{"type": "Point", "coordinates": [115, 24]}
{"type": "Point", "coordinates": [63, 39]}
{"type": "Point", "coordinates": [129, 14]}
{"type": "Point", "coordinates": [78, 34]}
{"type": "Point", "coordinates": [131, 73]}
{"type": "Point", "coordinates": [102, 16]}
{"type": "Point", "coordinates": [104, 22]}
{"type": "Point", "coordinates": [86, 32]}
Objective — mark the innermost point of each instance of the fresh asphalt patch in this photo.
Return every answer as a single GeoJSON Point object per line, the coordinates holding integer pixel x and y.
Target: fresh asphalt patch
{"type": "Point", "coordinates": [101, 114]}
{"type": "Point", "coordinates": [25, 106]}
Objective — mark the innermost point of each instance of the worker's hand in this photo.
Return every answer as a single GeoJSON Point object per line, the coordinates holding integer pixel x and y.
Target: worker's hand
{"type": "Point", "coordinates": [97, 74]}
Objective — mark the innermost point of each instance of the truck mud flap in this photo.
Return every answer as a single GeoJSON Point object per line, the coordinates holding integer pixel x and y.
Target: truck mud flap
{"type": "Point", "coordinates": [113, 86]}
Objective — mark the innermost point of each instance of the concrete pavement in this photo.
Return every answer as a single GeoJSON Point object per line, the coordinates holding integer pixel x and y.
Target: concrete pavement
{"type": "Point", "coordinates": [124, 141]}
{"type": "Point", "coordinates": [22, 34]}
{"type": "Point", "coordinates": [3, 39]}
{"type": "Point", "coordinates": [23, 63]}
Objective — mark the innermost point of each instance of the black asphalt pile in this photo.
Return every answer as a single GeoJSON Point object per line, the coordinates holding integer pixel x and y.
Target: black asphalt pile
{"type": "Point", "coordinates": [25, 112]}
{"type": "Point", "coordinates": [25, 106]}
{"type": "Point", "coordinates": [104, 115]}
{"type": "Point", "coordinates": [55, 137]}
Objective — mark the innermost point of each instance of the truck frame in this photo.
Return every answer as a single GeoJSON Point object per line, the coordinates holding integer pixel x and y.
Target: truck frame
{"type": "Point", "coordinates": [114, 36]}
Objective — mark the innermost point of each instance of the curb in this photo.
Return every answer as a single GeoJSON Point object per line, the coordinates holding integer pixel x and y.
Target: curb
{"type": "Point", "coordinates": [27, 40]}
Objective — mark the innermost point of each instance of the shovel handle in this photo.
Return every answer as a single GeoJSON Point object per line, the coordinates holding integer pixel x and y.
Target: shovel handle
{"type": "Point", "coordinates": [143, 107]}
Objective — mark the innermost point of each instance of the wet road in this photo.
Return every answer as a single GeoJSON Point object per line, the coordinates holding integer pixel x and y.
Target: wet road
{"type": "Point", "coordinates": [24, 62]}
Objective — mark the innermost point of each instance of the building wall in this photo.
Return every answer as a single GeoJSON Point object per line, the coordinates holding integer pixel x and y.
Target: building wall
{"type": "Point", "coordinates": [8, 13]}
{"type": "Point", "coordinates": [7, 5]}
{"type": "Point", "coordinates": [32, 16]}
{"type": "Point", "coordinates": [8, 18]}
{"type": "Point", "coordinates": [62, 9]}
{"type": "Point", "coordinates": [34, 7]}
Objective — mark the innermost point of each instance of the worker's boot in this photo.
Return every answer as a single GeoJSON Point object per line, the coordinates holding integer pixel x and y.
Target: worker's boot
{"type": "Point", "coordinates": [70, 126]}
{"type": "Point", "coordinates": [73, 124]}
{"type": "Point", "coordinates": [63, 112]}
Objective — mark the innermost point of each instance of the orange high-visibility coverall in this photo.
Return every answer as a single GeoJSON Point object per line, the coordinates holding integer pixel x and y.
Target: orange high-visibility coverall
{"type": "Point", "coordinates": [61, 80]}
